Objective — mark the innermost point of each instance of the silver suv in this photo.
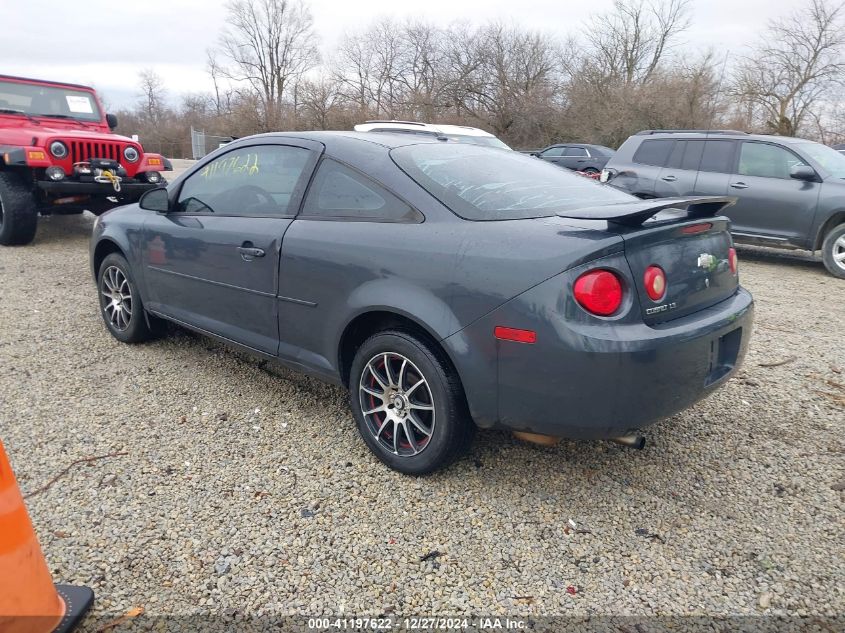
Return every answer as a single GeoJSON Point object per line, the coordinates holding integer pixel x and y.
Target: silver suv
{"type": "Point", "coordinates": [790, 192]}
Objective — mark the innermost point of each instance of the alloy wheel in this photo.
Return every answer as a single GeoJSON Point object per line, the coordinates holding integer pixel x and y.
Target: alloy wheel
{"type": "Point", "coordinates": [118, 293]}
{"type": "Point", "coordinates": [397, 404]}
{"type": "Point", "coordinates": [839, 252]}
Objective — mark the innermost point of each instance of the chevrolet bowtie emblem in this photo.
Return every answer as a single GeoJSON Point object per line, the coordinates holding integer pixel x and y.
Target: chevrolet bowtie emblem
{"type": "Point", "coordinates": [706, 261]}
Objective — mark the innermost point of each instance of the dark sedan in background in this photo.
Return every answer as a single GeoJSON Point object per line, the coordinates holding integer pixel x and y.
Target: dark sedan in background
{"type": "Point", "coordinates": [446, 285]}
{"type": "Point", "coordinates": [576, 156]}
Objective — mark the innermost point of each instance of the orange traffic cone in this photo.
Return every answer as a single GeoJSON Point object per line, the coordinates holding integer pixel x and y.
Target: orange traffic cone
{"type": "Point", "coordinates": [29, 602]}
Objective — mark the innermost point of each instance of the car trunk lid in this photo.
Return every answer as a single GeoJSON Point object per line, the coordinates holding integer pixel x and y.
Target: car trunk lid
{"type": "Point", "coordinates": [683, 238]}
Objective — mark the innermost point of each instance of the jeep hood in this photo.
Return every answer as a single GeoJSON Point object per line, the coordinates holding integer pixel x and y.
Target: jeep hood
{"type": "Point", "coordinates": [26, 130]}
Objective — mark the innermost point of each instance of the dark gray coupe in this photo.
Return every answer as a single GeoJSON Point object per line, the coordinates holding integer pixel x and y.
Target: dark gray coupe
{"type": "Point", "coordinates": [448, 286]}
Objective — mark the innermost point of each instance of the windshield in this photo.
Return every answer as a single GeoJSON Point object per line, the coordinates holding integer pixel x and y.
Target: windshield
{"type": "Point", "coordinates": [479, 183]}
{"type": "Point", "coordinates": [831, 160]}
{"type": "Point", "coordinates": [35, 100]}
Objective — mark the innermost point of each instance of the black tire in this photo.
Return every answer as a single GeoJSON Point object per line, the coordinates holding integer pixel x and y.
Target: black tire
{"type": "Point", "coordinates": [18, 211]}
{"type": "Point", "coordinates": [451, 427]}
{"type": "Point", "coordinates": [133, 328]}
{"type": "Point", "coordinates": [833, 247]}
{"type": "Point", "coordinates": [590, 170]}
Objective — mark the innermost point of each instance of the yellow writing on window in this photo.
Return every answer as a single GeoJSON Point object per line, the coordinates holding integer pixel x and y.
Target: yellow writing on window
{"type": "Point", "coordinates": [238, 165]}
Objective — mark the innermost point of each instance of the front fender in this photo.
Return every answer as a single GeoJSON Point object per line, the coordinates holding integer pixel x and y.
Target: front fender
{"type": "Point", "coordinates": [154, 162]}
{"type": "Point", "coordinates": [113, 233]}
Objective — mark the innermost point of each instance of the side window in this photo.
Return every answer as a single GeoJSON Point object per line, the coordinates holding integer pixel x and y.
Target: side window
{"type": "Point", "coordinates": [767, 161]}
{"type": "Point", "coordinates": [654, 152]}
{"type": "Point", "coordinates": [677, 155]}
{"type": "Point", "coordinates": [692, 155]}
{"type": "Point", "coordinates": [341, 192]}
{"type": "Point", "coordinates": [575, 151]}
{"type": "Point", "coordinates": [554, 151]}
{"type": "Point", "coordinates": [255, 181]}
{"type": "Point", "coordinates": [717, 157]}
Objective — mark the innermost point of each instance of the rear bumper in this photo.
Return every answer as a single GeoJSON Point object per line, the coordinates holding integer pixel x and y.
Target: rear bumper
{"type": "Point", "coordinates": [597, 381]}
{"type": "Point", "coordinates": [129, 192]}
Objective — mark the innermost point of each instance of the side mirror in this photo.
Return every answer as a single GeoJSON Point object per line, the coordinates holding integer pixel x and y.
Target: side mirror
{"type": "Point", "coordinates": [112, 121]}
{"type": "Point", "coordinates": [535, 154]}
{"type": "Point", "coordinates": [802, 172]}
{"type": "Point", "coordinates": [155, 200]}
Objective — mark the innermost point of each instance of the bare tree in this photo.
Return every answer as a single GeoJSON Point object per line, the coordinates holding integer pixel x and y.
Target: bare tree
{"type": "Point", "coordinates": [796, 64]}
{"type": "Point", "coordinates": [631, 41]}
{"type": "Point", "coordinates": [152, 95]}
{"type": "Point", "coordinates": [269, 44]}
{"type": "Point", "coordinates": [320, 98]}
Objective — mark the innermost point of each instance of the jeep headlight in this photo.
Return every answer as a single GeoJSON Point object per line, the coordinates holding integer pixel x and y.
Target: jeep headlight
{"type": "Point", "coordinates": [58, 149]}
{"type": "Point", "coordinates": [130, 154]}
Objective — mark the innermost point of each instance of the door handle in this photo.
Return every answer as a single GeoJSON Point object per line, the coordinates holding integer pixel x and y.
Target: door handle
{"type": "Point", "coordinates": [669, 178]}
{"type": "Point", "coordinates": [739, 185]}
{"type": "Point", "coordinates": [248, 251]}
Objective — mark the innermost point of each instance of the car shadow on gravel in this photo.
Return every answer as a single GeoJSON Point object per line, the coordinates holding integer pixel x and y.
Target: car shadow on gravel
{"type": "Point", "coordinates": [61, 228]}
{"type": "Point", "coordinates": [502, 459]}
{"type": "Point", "coordinates": [796, 259]}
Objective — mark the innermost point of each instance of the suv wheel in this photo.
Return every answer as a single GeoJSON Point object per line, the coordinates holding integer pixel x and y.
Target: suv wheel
{"type": "Point", "coordinates": [120, 302]}
{"type": "Point", "coordinates": [18, 215]}
{"type": "Point", "coordinates": [833, 251]}
{"type": "Point", "coordinates": [408, 404]}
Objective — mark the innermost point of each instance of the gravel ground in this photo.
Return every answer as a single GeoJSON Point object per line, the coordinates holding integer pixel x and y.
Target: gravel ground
{"type": "Point", "coordinates": [246, 488]}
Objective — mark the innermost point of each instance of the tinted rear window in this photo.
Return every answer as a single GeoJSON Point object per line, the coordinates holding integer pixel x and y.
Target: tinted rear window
{"type": "Point", "coordinates": [479, 183]}
{"type": "Point", "coordinates": [653, 152]}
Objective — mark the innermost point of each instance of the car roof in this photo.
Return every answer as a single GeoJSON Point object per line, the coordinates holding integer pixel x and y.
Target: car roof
{"type": "Point", "coordinates": [718, 134]}
{"type": "Point", "coordinates": [385, 139]}
{"type": "Point", "coordinates": [45, 81]}
{"type": "Point", "coordinates": [415, 126]}
{"type": "Point", "coordinates": [575, 144]}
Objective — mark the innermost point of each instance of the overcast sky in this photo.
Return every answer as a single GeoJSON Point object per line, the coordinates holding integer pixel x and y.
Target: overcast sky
{"type": "Point", "coordinates": [107, 44]}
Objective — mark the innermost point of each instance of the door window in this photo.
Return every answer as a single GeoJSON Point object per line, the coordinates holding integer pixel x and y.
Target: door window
{"type": "Point", "coordinates": [692, 155]}
{"type": "Point", "coordinates": [766, 161]}
{"type": "Point", "coordinates": [341, 192]}
{"type": "Point", "coordinates": [255, 181]}
{"type": "Point", "coordinates": [654, 152]}
{"type": "Point", "coordinates": [575, 151]}
{"type": "Point", "coordinates": [717, 157]}
{"type": "Point", "coordinates": [552, 152]}
{"type": "Point", "coordinates": [677, 155]}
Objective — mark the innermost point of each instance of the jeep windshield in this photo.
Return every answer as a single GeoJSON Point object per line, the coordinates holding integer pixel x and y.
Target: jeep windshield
{"type": "Point", "coordinates": [39, 100]}
{"type": "Point", "coordinates": [831, 160]}
{"type": "Point", "coordinates": [479, 183]}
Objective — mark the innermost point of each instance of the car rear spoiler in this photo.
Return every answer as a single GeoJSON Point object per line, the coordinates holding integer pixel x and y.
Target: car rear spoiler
{"type": "Point", "coordinates": [636, 213]}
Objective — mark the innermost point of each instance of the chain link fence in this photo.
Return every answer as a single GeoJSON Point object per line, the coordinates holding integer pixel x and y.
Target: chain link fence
{"type": "Point", "coordinates": [202, 143]}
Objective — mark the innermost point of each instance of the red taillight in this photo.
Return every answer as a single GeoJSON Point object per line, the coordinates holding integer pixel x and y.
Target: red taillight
{"type": "Point", "coordinates": [732, 260]}
{"type": "Point", "coordinates": [599, 292]}
{"type": "Point", "coordinates": [655, 282]}
{"type": "Point", "coordinates": [514, 334]}
{"type": "Point", "coordinates": [695, 229]}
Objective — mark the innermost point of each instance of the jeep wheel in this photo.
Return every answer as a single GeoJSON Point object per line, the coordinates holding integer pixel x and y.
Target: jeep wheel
{"type": "Point", "coordinates": [833, 252]}
{"type": "Point", "coordinates": [18, 214]}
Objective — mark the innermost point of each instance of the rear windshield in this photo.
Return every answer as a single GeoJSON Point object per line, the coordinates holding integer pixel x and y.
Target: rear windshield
{"type": "Point", "coordinates": [479, 183]}
{"type": "Point", "coordinates": [487, 141]}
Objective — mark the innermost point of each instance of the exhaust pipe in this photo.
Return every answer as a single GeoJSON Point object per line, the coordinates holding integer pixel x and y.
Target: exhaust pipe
{"type": "Point", "coordinates": [632, 441]}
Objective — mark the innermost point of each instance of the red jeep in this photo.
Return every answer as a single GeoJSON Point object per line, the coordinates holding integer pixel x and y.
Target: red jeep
{"type": "Point", "coordinates": [59, 155]}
